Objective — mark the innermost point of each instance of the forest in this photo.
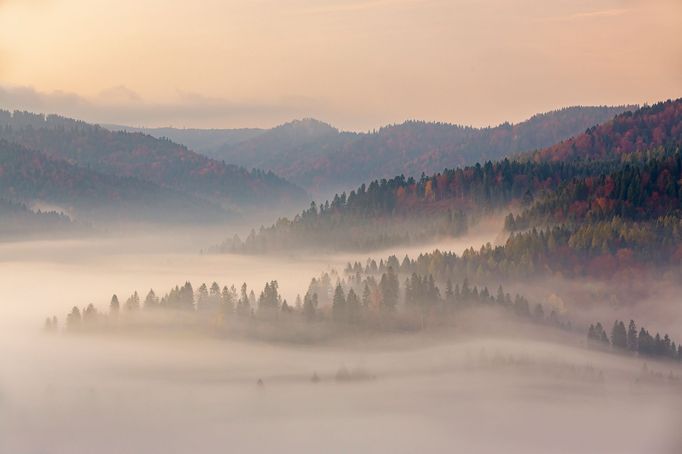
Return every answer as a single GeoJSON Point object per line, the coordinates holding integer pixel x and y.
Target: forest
{"type": "Point", "coordinates": [369, 307]}
{"type": "Point", "coordinates": [87, 196]}
{"type": "Point", "coordinates": [18, 221]}
{"type": "Point", "coordinates": [321, 158]}
{"type": "Point", "coordinates": [364, 302]}
{"type": "Point", "coordinates": [340, 226]}
{"type": "Point", "coordinates": [145, 158]}
{"type": "Point", "coordinates": [613, 249]}
{"type": "Point", "coordinates": [642, 189]}
{"type": "Point", "coordinates": [638, 180]}
{"type": "Point", "coordinates": [649, 127]}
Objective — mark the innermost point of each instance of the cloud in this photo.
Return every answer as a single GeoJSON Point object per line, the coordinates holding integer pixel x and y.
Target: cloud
{"type": "Point", "coordinates": [121, 105]}
{"type": "Point", "coordinates": [119, 93]}
{"type": "Point", "coordinates": [603, 13]}
{"type": "Point", "coordinates": [597, 14]}
{"type": "Point", "coordinates": [362, 6]}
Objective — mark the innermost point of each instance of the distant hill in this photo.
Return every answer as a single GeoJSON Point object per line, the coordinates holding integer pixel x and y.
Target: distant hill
{"type": "Point", "coordinates": [158, 161]}
{"type": "Point", "coordinates": [413, 148]}
{"type": "Point", "coordinates": [659, 125]}
{"type": "Point", "coordinates": [323, 159]}
{"type": "Point", "coordinates": [31, 178]}
{"type": "Point", "coordinates": [641, 189]}
{"type": "Point", "coordinates": [399, 210]}
{"type": "Point", "coordinates": [20, 222]}
{"type": "Point", "coordinates": [205, 141]}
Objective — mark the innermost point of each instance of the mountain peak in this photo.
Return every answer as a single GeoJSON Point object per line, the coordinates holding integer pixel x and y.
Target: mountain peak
{"type": "Point", "coordinates": [308, 127]}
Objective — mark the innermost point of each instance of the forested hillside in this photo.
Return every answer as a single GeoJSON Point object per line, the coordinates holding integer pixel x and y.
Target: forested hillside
{"type": "Point", "coordinates": [208, 142]}
{"type": "Point", "coordinates": [403, 210]}
{"type": "Point", "coordinates": [604, 249]}
{"type": "Point", "coordinates": [323, 159]}
{"type": "Point", "coordinates": [642, 187]}
{"type": "Point", "coordinates": [659, 125]}
{"type": "Point", "coordinates": [20, 222]}
{"type": "Point", "coordinates": [30, 177]}
{"type": "Point", "coordinates": [137, 155]}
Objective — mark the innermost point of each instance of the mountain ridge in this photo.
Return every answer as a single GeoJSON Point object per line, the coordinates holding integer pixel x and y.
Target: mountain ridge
{"type": "Point", "coordinates": [159, 161]}
{"type": "Point", "coordinates": [30, 177]}
{"type": "Point", "coordinates": [400, 209]}
{"type": "Point", "coordinates": [324, 160]}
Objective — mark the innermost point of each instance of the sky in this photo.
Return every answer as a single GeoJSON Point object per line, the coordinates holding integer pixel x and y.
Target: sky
{"type": "Point", "coordinates": [357, 64]}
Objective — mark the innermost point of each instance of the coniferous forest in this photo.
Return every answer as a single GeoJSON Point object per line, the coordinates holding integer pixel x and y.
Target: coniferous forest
{"type": "Point", "coordinates": [348, 226]}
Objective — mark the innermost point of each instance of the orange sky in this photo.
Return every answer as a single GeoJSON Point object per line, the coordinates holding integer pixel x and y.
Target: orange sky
{"type": "Point", "coordinates": [355, 63]}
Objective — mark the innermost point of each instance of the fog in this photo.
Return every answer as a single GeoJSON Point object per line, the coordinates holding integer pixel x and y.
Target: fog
{"type": "Point", "coordinates": [510, 387]}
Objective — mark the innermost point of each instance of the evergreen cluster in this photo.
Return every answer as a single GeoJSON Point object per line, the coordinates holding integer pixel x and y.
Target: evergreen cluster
{"type": "Point", "coordinates": [642, 189]}
{"type": "Point", "coordinates": [641, 342]}
{"type": "Point", "coordinates": [370, 301]}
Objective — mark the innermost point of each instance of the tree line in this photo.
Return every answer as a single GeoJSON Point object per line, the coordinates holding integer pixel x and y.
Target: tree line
{"type": "Point", "coordinates": [628, 168]}
{"type": "Point", "coordinates": [607, 249]}
{"type": "Point", "coordinates": [642, 189]}
{"type": "Point", "coordinates": [631, 340]}
{"type": "Point", "coordinates": [367, 301]}
{"type": "Point", "coordinates": [405, 209]}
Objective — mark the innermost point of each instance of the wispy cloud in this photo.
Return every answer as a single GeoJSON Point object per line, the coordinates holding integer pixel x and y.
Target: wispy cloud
{"type": "Point", "coordinates": [606, 13]}
{"type": "Point", "coordinates": [122, 105]}
{"type": "Point", "coordinates": [358, 6]}
{"type": "Point", "coordinates": [602, 13]}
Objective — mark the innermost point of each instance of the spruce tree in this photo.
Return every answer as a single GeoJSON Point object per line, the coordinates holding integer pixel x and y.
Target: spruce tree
{"type": "Point", "coordinates": [151, 301]}
{"type": "Point", "coordinates": [619, 335]}
{"type": "Point", "coordinates": [310, 306]}
{"type": "Point", "coordinates": [390, 289]}
{"type": "Point", "coordinates": [339, 312]}
{"type": "Point", "coordinates": [114, 306]}
{"type": "Point", "coordinates": [632, 338]}
{"type": "Point", "coordinates": [353, 307]}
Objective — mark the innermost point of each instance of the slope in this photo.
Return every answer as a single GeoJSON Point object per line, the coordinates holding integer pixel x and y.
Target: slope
{"type": "Point", "coordinates": [32, 178]}
{"type": "Point", "coordinates": [158, 161]}
{"type": "Point", "coordinates": [323, 159]}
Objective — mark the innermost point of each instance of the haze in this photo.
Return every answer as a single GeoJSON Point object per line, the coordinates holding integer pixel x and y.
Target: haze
{"type": "Point", "coordinates": [340, 226]}
{"type": "Point", "coordinates": [261, 63]}
{"type": "Point", "coordinates": [434, 391]}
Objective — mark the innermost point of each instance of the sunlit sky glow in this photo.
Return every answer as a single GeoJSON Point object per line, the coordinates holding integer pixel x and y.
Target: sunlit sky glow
{"type": "Point", "coordinates": [357, 64]}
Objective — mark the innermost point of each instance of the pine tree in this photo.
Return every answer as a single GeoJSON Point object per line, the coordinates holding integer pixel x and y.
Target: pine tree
{"type": "Point", "coordinates": [228, 300]}
{"type": "Point", "coordinates": [114, 306]}
{"type": "Point", "coordinates": [151, 301]}
{"type": "Point", "coordinates": [73, 319]}
{"type": "Point", "coordinates": [339, 310]}
{"type": "Point", "coordinates": [244, 305]}
{"type": "Point", "coordinates": [214, 298]}
{"type": "Point", "coordinates": [269, 300]}
{"type": "Point", "coordinates": [202, 298]}
{"type": "Point", "coordinates": [353, 307]}
{"type": "Point", "coordinates": [310, 306]}
{"type": "Point", "coordinates": [603, 338]}
{"type": "Point", "coordinates": [366, 296]}
{"type": "Point", "coordinates": [89, 314]}
{"type": "Point", "coordinates": [632, 339]}
{"type": "Point", "coordinates": [133, 302]}
{"type": "Point", "coordinates": [390, 289]}
{"type": "Point", "coordinates": [186, 297]}
{"type": "Point", "coordinates": [619, 335]}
